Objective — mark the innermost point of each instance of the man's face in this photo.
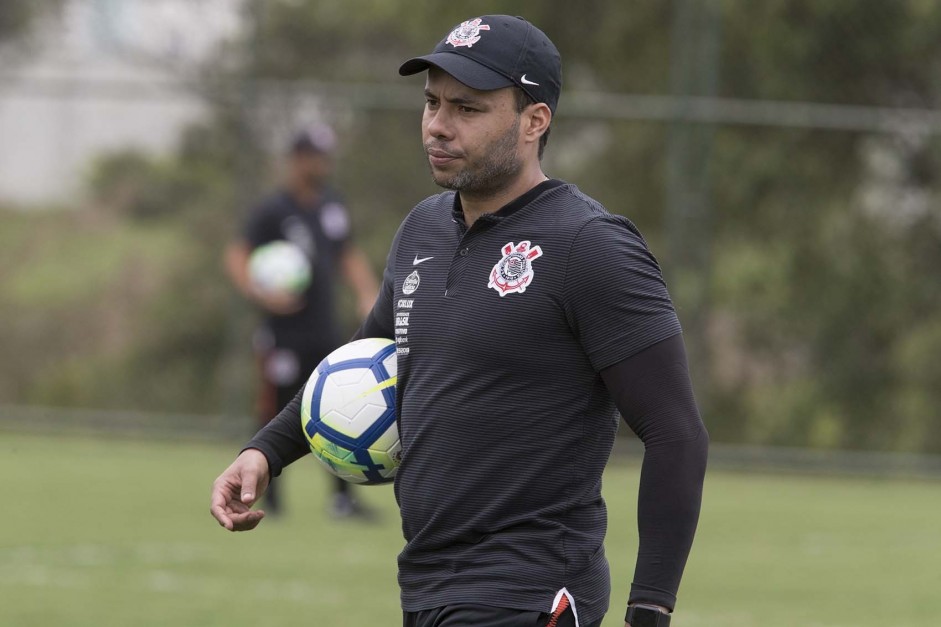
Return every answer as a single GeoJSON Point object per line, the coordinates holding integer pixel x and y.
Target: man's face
{"type": "Point", "coordinates": [309, 169]}
{"type": "Point", "coordinates": [471, 137]}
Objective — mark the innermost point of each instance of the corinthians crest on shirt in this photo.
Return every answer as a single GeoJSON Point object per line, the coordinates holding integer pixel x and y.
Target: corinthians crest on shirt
{"type": "Point", "coordinates": [467, 34]}
{"type": "Point", "coordinates": [514, 273]}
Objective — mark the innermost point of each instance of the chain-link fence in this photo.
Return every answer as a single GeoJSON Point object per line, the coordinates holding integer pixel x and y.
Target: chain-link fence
{"type": "Point", "coordinates": [782, 159]}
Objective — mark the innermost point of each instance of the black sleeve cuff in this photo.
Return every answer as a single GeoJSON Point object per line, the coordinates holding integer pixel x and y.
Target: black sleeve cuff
{"type": "Point", "coordinates": [652, 596]}
{"type": "Point", "coordinates": [282, 441]}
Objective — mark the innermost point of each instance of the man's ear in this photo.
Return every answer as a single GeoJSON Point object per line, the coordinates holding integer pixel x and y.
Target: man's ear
{"type": "Point", "coordinates": [537, 119]}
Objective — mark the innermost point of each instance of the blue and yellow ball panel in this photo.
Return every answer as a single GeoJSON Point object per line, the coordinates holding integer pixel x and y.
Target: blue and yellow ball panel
{"type": "Point", "coordinates": [348, 412]}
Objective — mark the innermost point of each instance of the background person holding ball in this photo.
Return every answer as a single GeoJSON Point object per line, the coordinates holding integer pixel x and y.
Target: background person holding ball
{"type": "Point", "coordinates": [298, 328]}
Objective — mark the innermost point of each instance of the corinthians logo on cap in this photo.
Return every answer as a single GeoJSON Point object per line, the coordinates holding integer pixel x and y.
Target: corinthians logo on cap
{"type": "Point", "coordinates": [467, 34]}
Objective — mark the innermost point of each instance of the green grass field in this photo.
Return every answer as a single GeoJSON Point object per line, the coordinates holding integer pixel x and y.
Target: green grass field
{"type": "Point", "coordinates": [118, 533]}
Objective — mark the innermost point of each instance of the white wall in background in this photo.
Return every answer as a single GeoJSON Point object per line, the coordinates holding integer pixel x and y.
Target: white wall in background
{"type": "Point", "coordinates": [101, 76]}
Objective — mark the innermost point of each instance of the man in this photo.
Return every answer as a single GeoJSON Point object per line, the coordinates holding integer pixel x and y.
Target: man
{"type": "Point", "coordinates": [524, 315]}
{"type": "Point", "coordinates": [298, 331]}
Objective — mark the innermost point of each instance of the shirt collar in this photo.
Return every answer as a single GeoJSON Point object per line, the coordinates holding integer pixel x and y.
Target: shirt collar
{"type": "Point", "coordinates": [457, 212]}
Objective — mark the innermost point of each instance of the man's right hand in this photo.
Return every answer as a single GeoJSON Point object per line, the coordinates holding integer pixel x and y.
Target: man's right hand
{"type": "Point", "coordinates": [279, 304]}
{"type": "Point", "coordinates": [236, 489]}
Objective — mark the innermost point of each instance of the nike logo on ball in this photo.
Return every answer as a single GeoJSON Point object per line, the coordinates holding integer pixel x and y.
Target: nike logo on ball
{"type": "Point", "coordinates": [422, 260]}
{"type": "Point", "coordinates": [527, 82]}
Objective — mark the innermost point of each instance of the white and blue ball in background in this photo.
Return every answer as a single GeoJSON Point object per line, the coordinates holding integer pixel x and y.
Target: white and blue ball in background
{"type": "Point", "coordinates": [279, 268]}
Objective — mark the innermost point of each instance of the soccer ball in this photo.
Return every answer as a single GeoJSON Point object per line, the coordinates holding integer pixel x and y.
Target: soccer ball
{"type": "Point", "coordinates": [348, 412]}
{"type": "Point", "coordinates": [279, 267]}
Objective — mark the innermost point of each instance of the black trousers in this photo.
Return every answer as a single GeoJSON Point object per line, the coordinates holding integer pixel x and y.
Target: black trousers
{"type": "Point", "coordinates": [467, 615]}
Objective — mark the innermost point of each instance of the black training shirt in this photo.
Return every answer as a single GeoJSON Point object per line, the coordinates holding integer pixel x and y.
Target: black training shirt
{"type": "Point", "coordinates": [506, 425]}
{"type": "Point", "coordinates": [513, 337]}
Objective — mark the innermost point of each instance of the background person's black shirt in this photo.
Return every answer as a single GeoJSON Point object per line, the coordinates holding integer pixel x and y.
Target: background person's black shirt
{"type": "Point", "coordinates": [322, 230]}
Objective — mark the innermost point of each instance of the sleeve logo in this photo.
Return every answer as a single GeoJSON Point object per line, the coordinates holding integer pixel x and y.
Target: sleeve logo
{"type": "Point", "coordinates": [411, 283]}
{"type": "Point", "coordinates": [514, 272]}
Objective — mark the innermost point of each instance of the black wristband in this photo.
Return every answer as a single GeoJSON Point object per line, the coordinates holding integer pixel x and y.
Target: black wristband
{"type": "Point", "coordinates": [642, 616]}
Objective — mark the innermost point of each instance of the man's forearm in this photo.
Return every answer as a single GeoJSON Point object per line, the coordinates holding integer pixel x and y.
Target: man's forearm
{"type": "Point", "coordinates": [282, 440]}
{"type": "Point", "coordinates": [359, 276]}
{"type": "Point", "coordinates": [667, 515]}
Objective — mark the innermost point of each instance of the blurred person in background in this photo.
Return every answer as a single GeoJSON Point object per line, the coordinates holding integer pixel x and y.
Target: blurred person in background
{"type": "Point", "coordinates": [297, 331]}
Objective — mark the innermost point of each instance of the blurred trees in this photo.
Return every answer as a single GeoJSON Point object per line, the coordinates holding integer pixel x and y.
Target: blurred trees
{"type": "Point", "coordinates": [828, 244]}
{"type": "Point", "coordinates": [17, 17]}
{"type": "Point", "coordinates": [821, 289]}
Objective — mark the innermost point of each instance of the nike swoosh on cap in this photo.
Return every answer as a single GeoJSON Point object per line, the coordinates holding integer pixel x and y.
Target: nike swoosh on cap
{"type": "Point", "coordinates": [422, 260]}
{"type": "Point", "coordinates": [524, 81]}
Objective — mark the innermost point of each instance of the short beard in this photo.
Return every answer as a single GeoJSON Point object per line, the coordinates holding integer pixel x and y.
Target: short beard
{"type": "Point", "coordinates": [500, 166]}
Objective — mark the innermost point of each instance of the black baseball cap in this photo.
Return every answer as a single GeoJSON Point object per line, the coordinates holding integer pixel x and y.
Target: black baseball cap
{"type": "Point", "coordinates": [316, 139]}
{"type": "Point", "coordinates": [497, 51]}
